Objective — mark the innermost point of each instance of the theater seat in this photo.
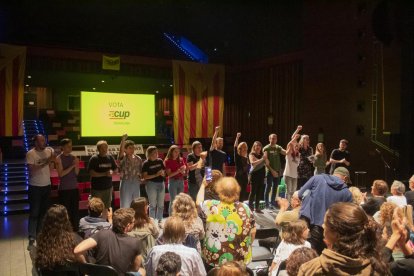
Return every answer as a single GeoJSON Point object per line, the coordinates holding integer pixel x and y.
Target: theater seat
{"type": "Point", "coordinates": [97, 270]}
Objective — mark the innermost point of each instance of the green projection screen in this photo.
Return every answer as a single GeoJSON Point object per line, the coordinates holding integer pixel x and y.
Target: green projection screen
{"type": "Point", "coordinates": [113, 114]}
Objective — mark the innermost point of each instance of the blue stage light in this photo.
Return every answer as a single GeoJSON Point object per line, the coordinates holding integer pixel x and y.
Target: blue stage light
{"type": "Point", "coordinates": [188, 48]}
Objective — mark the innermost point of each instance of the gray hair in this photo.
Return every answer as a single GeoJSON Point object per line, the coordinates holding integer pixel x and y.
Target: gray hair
{"type": "Point", "coordinates": [398, 186]}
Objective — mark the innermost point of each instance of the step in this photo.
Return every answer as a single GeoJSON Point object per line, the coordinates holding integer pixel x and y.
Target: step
{"type": "Point", "coordinates": [13, 199]}
{"type": "Point", "coordinates": [14, 209]}
{"type": "Point", "coordinates": [13, 172]}
{"type": "Point", "coordinates": [7, 176]}
{"type": "Point", "coordinates": [14, 189]}
{"type": "Point", "coordinates": [13, 182]}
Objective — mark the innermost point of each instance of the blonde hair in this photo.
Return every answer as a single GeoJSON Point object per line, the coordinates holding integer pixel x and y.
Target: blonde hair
{"type": "Point", "coordinates": [318, 152]}
{"type": "Point", "coordinates": [302, 138]}
{"type": "Point", "coordinates": [255, 144]}
{"type": "Point", "coordinates": [170, 152]}
{"type": "Point", "coordinates": [228, 189]}
{"type": "Point", "coordinates": [95, 206]}
{"type": "Point", "coordinates": [240, 145]}
{"type": "Point", "coordinates": [356, 195]}
{"type": "Point", "coordinates": [101, 143]}
{"type": "Point", "coordinates": [174, 230]}
{"type": "Point", "coordinates": [386, 212]}
{"type": "Point", "coordinates": [184, 207]}
{"type": "Point", "coordinates": [293, 232]}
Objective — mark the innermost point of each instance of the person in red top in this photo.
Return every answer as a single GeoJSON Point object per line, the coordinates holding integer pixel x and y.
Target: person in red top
{"type": "Point", "coordinates": [175, 168]}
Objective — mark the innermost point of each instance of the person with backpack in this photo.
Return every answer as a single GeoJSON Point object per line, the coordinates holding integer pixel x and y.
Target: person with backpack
{"type": "Point", "coordinates": [130, 166]}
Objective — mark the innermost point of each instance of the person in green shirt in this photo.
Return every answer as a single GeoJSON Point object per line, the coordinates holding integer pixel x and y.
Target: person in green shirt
{"type": "Point", "coordinates": [273, 170]}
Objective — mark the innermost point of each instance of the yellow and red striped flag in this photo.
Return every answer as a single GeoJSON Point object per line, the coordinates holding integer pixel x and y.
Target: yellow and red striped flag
{"type": "Point", "coordinates": [198, 100]}
{"type": "Point", "coordinates": [12, 66]}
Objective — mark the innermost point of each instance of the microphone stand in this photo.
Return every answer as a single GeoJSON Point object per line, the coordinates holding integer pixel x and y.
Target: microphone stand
{"type": "Point", "coordinates": [386, 167]}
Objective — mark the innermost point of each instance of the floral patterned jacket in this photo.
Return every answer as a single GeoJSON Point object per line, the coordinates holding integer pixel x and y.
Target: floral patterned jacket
{"type": "Point", "coordinates": [228, 232]}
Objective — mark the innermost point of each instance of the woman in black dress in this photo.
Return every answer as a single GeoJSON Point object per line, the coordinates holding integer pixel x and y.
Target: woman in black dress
{"type": "Point", "coordinates": [305, 168]}
{"type": "Point", "coordinates": [242, 166]}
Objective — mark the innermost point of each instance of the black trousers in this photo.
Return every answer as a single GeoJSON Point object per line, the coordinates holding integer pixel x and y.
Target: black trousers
{"type": "Point", "coordinates": [70, 199]}
{"type": "Point", "coordinates": [315, 236]}
{"type": "Point", "coordinates": [242, 179]}
{"type": "Point", "coordinates": [39, 203]}
{"type": "Point", "coordinates": [257, 190]}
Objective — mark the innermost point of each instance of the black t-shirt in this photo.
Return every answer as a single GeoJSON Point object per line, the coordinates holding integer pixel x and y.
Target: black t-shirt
{"type": "Point", "coordinates": [116, 250]}
{"type": "Point", "coordinates": [101, 164]}
{"type": "Point", "coordinates": [410, 198]}
{"type": "Point", "coordinates": [217, 158]}
{"type": "Point", "coordinates": [153, 167]}
{"type": "Point", "coordinates": [242, 163]}
{"type": "Point", "coordinates": [192, 158]}
{"type": "Point", "coordinates": [339, 155]}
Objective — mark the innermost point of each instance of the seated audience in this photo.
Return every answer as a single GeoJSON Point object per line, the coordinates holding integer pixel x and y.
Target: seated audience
{"type": "Point", "coordinates": [397, 191]}
{"type": "Point", "coordinates": [354, 244]}
{"type": "Point", "coordinates": [400, 239]}
{"type": "Point", "coordinates": [114, 247]}
{"type": "Point", "coordinates": [56, 241]}
{"type": "Point", "coordinates": [298, 257]}
{"type": "Point", "coordinates": [185, 208]}
{"type": "Point", "coordinates": [410, 194]}
{"type": "Point", "coordinates": [384, 218]}
{"type": "Point", "coordinates": [94, 222]}
{"type": "Point", "coordinates": [357, 195]}
{"type": "Point", "coordinates": [284, 216]}
{"type": "Point", "coordinates": [294, 236]}
{"type": "Point", "coordinates": [378, 190]}
{"type": "Point", "coordinates": [231, 268]}
{"type": "Point", "coordinates": [169, 264]}
{"type": "Point", "coordinates": [230, 226]}
{"type": "Point", "coordinates": [145, 228]}
{"type": "Point", "coordinates": [173, 237]}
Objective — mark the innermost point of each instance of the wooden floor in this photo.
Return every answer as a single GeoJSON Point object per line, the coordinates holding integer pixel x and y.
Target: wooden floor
{"type": "Point", "coordinates": [14, 258]}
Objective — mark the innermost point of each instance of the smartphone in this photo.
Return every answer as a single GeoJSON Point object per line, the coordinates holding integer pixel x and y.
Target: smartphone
{"type": "Point", "coordinates": [209, 177]}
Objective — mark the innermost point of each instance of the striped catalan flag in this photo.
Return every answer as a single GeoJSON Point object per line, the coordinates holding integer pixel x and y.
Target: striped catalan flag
{"type": "Point", "coordinates": [12, 66]}
{"type": "Point", "coordinates": [198, 100]}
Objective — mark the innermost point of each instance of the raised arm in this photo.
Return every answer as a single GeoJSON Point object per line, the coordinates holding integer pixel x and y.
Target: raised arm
{"type": "Point", "coordinates": [298, 129]}
{"type": "Point", "coordinates": [236, 142]}
{"type": "Point", "coordinates": [121, 146]}
{"type": "Point", "coordinates": [213, 140]}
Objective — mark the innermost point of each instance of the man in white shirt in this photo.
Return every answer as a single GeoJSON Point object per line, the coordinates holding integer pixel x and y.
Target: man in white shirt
{"type": "Point", "coordinates": [38, 160]}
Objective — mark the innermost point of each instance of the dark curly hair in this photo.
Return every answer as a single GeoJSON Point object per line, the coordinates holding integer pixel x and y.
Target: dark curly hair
{"type": "Point", "coordinates": [169, 264]}
{"type": "Point", "coordinates": [55, 242]}
{"type": "Point", "coordinates": [358, 236]}
{"type": "Point", "coordinates": [298, 257]}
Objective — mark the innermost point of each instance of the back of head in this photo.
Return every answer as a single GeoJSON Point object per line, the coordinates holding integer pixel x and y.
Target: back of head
{"type": "Point", "coordinates": [232, 268]}
{"type": "Point", "coordinates": [386, 212]}
{"type": "Point", "coordinates": [357, 197]}
{"type": "Point", "coordinates": [298, 257]}
{"type": "Point", "coordinates": [55, 242]}
{"type": "Point", "coordinates": [174, 230]}
{"type": "Point", "coordinates": [380, 186]}
{"type": "Point", "coordinates": [357, 235]}
{"type": "Point", "coordinates": [228, 189]}
{"type": "Point", "coordinates": [216, 176]}
{"type": "Point", "coordinates": [121, 218]}
{"type": "Point", "coordinates": [95, 207]}
{"type": "Point", "coordinates": [293, 232]}
{"type": "Point", "coordinates": [185, 208]}
{"type": "Point", "coordinates": [140, 205]}
{"type": "Point", "coordinates": [398, 187]}
{"type": "Point", "coordinates": [169, 264]}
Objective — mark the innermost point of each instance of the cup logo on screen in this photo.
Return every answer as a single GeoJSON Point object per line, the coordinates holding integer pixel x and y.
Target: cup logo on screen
{"type": "Point", "coordinates": [118, 114]}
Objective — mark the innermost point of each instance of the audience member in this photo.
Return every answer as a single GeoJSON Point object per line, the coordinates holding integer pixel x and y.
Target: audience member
{"type": "Point", "coordinates": [258, 161]}
{"type": "Point", "coordinates": [38, 160]}
{"type": "Point", "coordinates": [153, 173]}
{"type": "Point", "coordinates": [357, 195]}
{"type": "Point", "coordinates": [320, 159]}
{"type": "Point", "coordinates": [273, 170]}
{"type": "Point", "coordinates": [56, 241]}
{"type": "Point", "coordinates": [232, 268]}
{"type": "Point", "coordinates": [114, 247]}
{"type": "Point", "coordinates": [230, 226]}
{"type": "Point", "coordinates": [410, 194]}
{"type": "Point", "coordinates": [340, 157]}
{"type": "Point", "coordinates": [354, 244]}
{"type": "Point", "coordinates": [195, 168]}
{"type": "Point", "coordinates": [397, 191]}
{"type": "Point", "coordinates": [294, 236]}
{"type": "Point", "coordinates": [384, 218]}
{"type": "Point", "coordinates": [100, 167]}
{"type": "Point", "coordinates": [298, 257]}
{"type": "Point", "coordinates": [291, 168]}
{"type": "Point", "coordinates": [94, 222]}
{"type": "Point", "coordinates": [185, 208]}
{"type": "Point", "coordinates": [175, 169]}
{"type": "Point", "coordinates": [173, 237]}
{"type": "Point", "coordinates": [169, 264]}
{"type": "Point", "coordinates": [145, 228]}
{"type": "Point", "coordinates": [378, 190]}
{"type": "Point", "coordinates": [130, 165]}
{"type": "Point", "coordinates": [211, 186]}
{"type": "Point", "coordinates": [67, 166]}
{"type": "Point", "coordinates": [318, 194]}
{"type": "Point", "coordinates": [241, 162]}
{"type": "Point", "coordinates": [216, 157]}
{"type": "Point", "coordinates": [284, 216]}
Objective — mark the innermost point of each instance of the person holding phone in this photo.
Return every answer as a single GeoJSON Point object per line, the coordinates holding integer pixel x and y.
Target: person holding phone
{"type": "Point", "coordinates": [153, 171]}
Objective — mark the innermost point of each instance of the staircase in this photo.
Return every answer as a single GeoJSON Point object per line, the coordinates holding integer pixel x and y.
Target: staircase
{"type": "Point", "coordinates": [14, 177]}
